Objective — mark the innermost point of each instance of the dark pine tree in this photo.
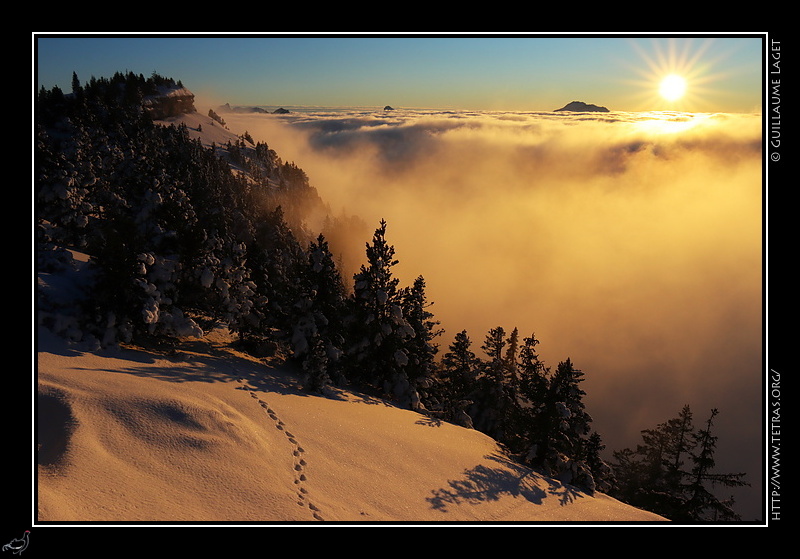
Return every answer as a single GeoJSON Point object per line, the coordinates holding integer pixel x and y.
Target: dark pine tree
{"type": "Point", "coordinates": [279, 264]}
{"type": "Point", "coordinates": [421, 348]}
{"type": "Point", "coordinates": [495, 400]}
{"type": "Point", "coordinates": [487, 398]}
{"type": "Point", "coordinates": [565, 426]}
{"type": "Point", "coordinates": [457, 381]}
{"type": "Point", "coordinates": [702, 504]}
{"type": "Point", "coordinates": [654, 477]}
{"type": "Point", "coordinates": [601, 471]}
{"type": "Point", "coordinates": [531, 427]}
{"type": "Point", "coordinates": [376, 352]}
{"type": "Point", "coordinates": [650, 476]}
{"type": "Point", "coordinates": [319, 333]}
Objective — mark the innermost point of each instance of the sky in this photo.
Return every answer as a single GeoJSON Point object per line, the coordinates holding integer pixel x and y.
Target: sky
{"type": "Point", "coordinates": [488, 72]}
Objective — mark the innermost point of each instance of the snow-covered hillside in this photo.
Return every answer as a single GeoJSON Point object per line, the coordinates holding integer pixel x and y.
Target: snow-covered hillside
{"type": "Point", "coordinates": [203, 127]}
{"type": "Point", "coordinates": [208, 434]}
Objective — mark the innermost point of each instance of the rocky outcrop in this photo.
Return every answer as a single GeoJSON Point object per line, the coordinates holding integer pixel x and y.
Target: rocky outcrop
{"type": "Point", "coordinates": [581, 107]}
{"type": "Point", "coordinates": [226, 108]}
{"type": "Point", "coordinates": [169, 102]}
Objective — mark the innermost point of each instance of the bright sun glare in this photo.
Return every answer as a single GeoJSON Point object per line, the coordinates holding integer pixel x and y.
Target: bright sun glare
{"type": "Point", "coordinates": [674, 75]}
{"type": "Point", "coordinates": [672, 87]}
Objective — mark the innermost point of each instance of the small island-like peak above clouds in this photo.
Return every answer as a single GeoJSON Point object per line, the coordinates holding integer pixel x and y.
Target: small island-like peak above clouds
{"type": "Point", "coordinates": [581, 107]}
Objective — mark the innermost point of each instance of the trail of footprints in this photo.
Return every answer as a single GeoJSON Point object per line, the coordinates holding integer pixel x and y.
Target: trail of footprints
{"type": "Point", "coordinates": [297, 453]}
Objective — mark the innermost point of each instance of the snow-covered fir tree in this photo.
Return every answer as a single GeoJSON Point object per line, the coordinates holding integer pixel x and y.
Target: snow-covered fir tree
{"type": "Point", "coordinates": [377, 350]}
{"type": "Point", "coordinates": [566, 426]}
{"type": "Point", "coordinates": [494, 400]}
{"type": "Point", "coordinates": [279, 264]}
{"type": "Point", "coordinates": [533, 382]}
{"type": "Point", "coordinates": [457, 380]}
{"type": "Point", "coordinates": [602, 472]}
{"type": "Point", "coordinates": [422, 347]}
{"type": "Point", "coordinates": [319, 335]}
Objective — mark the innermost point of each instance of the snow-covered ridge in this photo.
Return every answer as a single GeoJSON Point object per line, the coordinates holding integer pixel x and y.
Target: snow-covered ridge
{"type": "Point", "coordinates": [169, 102]}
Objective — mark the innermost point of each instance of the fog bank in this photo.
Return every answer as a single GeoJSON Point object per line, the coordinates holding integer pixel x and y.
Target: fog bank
{"type": "Point", "coordinates": [628, 242]}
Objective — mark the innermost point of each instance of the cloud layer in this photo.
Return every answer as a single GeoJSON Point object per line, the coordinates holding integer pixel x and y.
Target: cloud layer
{"type": "Point", "coordinates": [629, 242]}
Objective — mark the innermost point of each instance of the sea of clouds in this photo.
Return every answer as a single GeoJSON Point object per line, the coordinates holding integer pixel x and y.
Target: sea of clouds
{"type": "Point", "coordinates": [629, 242]}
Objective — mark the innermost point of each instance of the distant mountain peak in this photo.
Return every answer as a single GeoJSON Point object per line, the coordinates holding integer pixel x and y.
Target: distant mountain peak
{"type": "Point", "coordinates": [581, 107]}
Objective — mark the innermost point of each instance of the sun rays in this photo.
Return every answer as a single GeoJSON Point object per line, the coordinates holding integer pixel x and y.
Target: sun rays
{"type": "Point", "coordinates": [674, 75]}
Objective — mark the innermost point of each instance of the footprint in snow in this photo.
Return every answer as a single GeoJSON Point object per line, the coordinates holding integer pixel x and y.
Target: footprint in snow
{"type": "Point", "coordinates": [297, 452]}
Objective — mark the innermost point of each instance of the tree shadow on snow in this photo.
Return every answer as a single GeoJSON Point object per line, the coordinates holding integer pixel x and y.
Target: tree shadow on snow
{"type": "Point", "coordinates": [485, 484]}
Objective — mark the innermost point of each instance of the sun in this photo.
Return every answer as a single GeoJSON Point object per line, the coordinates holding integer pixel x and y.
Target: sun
{"type": "Point", "coordinates": [672, 87]}
{"type": "Point", "coordinates": [674, 74]}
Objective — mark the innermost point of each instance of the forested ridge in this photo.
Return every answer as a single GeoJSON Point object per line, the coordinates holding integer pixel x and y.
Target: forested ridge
{"type": "Point", "coordinates": [182, 237]}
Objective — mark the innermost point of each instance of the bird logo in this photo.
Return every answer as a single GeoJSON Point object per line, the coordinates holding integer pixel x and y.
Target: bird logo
{"type": "Point", "coordinates": [18, 545]}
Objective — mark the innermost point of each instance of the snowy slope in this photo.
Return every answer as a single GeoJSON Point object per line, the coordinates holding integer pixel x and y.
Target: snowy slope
{"type": "Point", "coordinates": [203, 127]}
{"type": "Point", "coordinates": [208, 434]}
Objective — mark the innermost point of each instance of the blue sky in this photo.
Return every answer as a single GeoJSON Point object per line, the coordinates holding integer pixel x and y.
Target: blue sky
{"type": "Point", "coordinates": [482, 73]}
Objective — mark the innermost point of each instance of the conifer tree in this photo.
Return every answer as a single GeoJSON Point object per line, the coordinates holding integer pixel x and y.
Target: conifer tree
{"type": "Point", "coordinates": [280, 264]}
{"type": "Point", "coordinates": [377, 351]}
{"type": "Point", "coordinates": [678, 444]}
{"type": "Point", "coordinates": [326, 284]}
{"type": "Point", "coordinates": [421, 348]}
{"type": "Point", "coordinates": [566, 392]}
{"type": "Point", "coordinates": [531, 427]}
{"type": "Point", "coordinates": [512, 398]}
{"type": "Point", "coordinates": [488, 396]}
{"type": "Point", "coordinates": [318, 335]}
{"type": "Point", "coordinates": [647, 475]}
{"type": "Point", "coordinates": [702, 504]}
{"type": "Point", "coordinates": [494, 410]}
{"type": "Point", "coordinates": [229, 294]}
{"type": "Point", "coordinates": [653, 476]}
{"type": "Point", "coordinates": [458, 380]}
{"type": "Point", "coordinates": [564, 426]}
{"type": "Point", "coordinates": [601, 471]}
{"type": "Point", "coordinates": [510, 362]}
{"type": "Point", "coordinates": [533, 373]}
{"type": "Point", "coordinates": [459, 373]}
{"type": "Point", "coordinates": [316, 367]}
